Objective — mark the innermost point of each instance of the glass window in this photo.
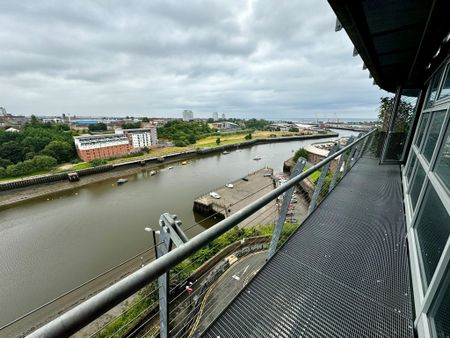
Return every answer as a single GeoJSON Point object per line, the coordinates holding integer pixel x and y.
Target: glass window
{"type": "Point", "coordinates": [445, 91]}
{"type": "Point", "coordinates": [402, 123]}
{"type": "Point", "coordinates": [434, 89]}
{"type": "Point", "coordinates": [421, 132]}
{"type": "Point", "coordinates": [440, 312]}
{"type": "Point", "coordinates": [411, 166]}
{"type": "Point", "coordinates": [443, 161]}
{"type": "Point", "coordinates": [433, 134]}
{"type": "Point", "coordinates": [433, 229]}
{"type": "Point", "coordinates": [417, 185]}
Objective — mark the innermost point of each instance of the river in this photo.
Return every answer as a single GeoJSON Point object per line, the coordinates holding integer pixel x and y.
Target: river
{"type": "Point", "coordinates": [52, 244]}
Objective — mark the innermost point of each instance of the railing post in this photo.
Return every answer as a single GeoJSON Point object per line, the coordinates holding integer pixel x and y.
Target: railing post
{"type": "Point", "coordinates": [356, 151]}
{"type": "Point", "coordinates": [323, 175]}
{"type": "Point", "coordinates": [169, 233]}
{"type": "Point", "coordinates": [347, 165]}
{"type": "Point", "coordinates": [361, 150]}
{"type": "Point", "coordinates": [287, 196]}
{"type": "Point", "coordinates": [339, 167]}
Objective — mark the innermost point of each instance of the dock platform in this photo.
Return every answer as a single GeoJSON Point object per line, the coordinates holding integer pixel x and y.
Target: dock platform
{"type": "Point", "coordinates": [244, 191]}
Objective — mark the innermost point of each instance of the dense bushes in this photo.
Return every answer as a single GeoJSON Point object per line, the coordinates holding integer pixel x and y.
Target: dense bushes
{"type": "Point", "coordinates": [300, 153]}
{"type": "Point", "coordinates": [37, 163]}
{"type": "Point", "coordinates": [183, 133]}
{"type": "Point", "coordinates": [20, 151]}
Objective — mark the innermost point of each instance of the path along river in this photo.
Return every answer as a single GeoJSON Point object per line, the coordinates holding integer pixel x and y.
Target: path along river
{"type": "Point", "coordinates": [51, 244]}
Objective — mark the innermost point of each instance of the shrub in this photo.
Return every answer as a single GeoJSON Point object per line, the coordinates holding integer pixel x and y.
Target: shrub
{"type": "Point", "coordinates": [3, 172]}
{"type": "Point", "coordinates": [97, 162]}
{"type": "Point", "coordinates": [302, 152]}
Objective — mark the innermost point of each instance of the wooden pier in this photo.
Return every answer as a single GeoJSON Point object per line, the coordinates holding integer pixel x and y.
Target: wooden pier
{"type": "Point", "coordinates": [244, 191]}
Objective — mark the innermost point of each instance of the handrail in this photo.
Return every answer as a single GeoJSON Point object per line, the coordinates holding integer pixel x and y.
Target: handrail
{"type": "Point", "coordinates": [84, 313]}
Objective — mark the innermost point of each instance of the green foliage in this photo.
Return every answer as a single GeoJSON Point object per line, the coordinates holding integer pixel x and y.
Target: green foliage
{"type": "Point", "coordinates": [145, 119]}
{"type": "Point", "coordinates": [60, 150]}
{"type": "Point", "coordinates": [98, 127]}
{"type": "Point", "coordinates": [294, 130]}
{"type": "Point", "coordinates": [300, 153]}
{"type": "Point", "coordinates": [3, 172]}
{"type": "Point", "coordinates": [256, 124]}
{"type": "Point", "coordinates": [192, 139]}
{"type": "Point", "coordinates": [98, 161]}
{"type": "Point", "coordinates": [183, 133]}
{"type": "Point", "coordinates": [33, 139]}
{"type": "Point", "coordinates": [146, 150]}
{"type": "Point", "coordinates": [37, 163]}
{"type": "Point", "coordinates": [218, 140]}
{"type": "Point", "coordinates": [147, 298]}
{"type": "Point", "coordinates": [248, 136]}
{"type": "Point", "coordinates": [132, 125]}
{"type": "Point", "coordinates": [403, 117]}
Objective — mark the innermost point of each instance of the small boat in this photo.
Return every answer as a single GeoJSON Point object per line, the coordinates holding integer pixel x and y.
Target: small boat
{"type": "Point", "coordinates": [152, 173]}
{"type": "Point", "coordinates": [170, 168]}
{"type": "Point", "coordinates": [184, 163]}
{"type": "Point", "coordinates": [229, 185]}
{"type": "Point", "coordinates": [257, 158]}
{"type": "Point", "coordinates": [122, 180]}
{"type": "Point", "coordinates": [215, 195]}
{"type": "Point", "coordinates": [225, 152]}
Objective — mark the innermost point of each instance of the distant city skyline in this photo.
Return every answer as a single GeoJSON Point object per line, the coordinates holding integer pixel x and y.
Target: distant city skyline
{"type": "Point", "coordinates": [245, 58]}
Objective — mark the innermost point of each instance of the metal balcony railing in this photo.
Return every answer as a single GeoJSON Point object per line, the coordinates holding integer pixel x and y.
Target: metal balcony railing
{"type": "Point", "coordinates": [173, 309]}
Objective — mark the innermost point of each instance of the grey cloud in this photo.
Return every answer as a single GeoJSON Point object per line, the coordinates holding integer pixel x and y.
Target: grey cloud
{"type": "Point", "coordinates": [255, 57]}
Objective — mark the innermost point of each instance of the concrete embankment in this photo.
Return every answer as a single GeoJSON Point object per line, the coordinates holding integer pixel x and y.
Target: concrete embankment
{"type": "Point", "coordinates": [240, 193]}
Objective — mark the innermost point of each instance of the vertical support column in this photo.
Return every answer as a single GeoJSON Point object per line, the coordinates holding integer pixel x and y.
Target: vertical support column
{"type": "Point", "coordinates": [163, 284]}
{"type": "Point", "coordinates": [287, 196]}
{"type": "Point", "coordinates": [323, 175]}
{"type": "Point", "coordinates": [391, 124]}
{"type": "Point", "coordinates": [339, 167]}
{"type": "Point", "coordinates": [170, 233]}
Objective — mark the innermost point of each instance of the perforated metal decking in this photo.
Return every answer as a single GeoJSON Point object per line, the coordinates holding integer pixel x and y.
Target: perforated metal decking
{"type": "Point", "coordinates": [344, 273]}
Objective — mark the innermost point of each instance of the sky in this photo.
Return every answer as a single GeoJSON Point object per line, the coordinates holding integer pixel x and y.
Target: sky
{"type": "Point", "coordinates": [245, 58]}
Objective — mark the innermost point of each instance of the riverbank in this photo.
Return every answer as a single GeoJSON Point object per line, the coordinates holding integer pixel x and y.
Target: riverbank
{"type": "Point", "coordinates": [46, 185]}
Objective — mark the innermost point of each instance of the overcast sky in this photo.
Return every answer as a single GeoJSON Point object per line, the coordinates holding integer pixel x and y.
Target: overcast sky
{"type": "Point", "coordinates": [277, 58]}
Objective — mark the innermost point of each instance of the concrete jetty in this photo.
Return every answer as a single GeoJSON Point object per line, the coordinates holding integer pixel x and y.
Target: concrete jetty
{"type": "Point", "coordinates": [244, 191]}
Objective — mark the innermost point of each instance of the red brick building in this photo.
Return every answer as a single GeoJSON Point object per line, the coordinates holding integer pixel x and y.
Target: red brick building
{"type": "Point", "coordinates": [91, 147]}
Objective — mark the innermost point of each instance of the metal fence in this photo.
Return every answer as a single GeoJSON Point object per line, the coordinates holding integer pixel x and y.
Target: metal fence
{"type": "Point", "coordinates": [153, 304]}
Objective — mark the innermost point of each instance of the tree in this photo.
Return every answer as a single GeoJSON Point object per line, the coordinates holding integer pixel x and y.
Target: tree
{"type": "Point", "coordinates": [403, 117]}
{"type": "Point", "coordinates": [131, 125]}
{"type": "Point", "coordinates": [192, 139]}
{"type": "Point", "coordinates": [302, 152]}
{"type": "Point", "coordinates": [98, 127]}
{"type": "Point", "coordinates": [145, 119]}
{"type": "Point", "coordinates": [218, 140]}
{"type": "Point", "coordinates": [3, 172]}
{"type": "Point", "coordinates": [248, 136]}
{"type": "Point", "coordinates": [60, 150]}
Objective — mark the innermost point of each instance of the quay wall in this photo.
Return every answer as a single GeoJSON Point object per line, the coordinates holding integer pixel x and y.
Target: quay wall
{"type": "Point", "coordinates": [26, 182]}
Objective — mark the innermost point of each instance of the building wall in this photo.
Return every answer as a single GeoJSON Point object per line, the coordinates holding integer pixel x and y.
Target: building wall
{"type": "Point", "coordinates": [103, 152]}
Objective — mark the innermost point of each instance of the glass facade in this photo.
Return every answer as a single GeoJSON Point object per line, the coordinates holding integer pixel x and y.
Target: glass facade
{"type": "Point", "coordinates": [434, 88]}
{"type": "Point", "coordinates": [443, 161]}
{"type": "Point", "coordinates": [421, 131]}
{"type": "Point", "coordinates": [445, 91]}
{"type": "Point", "coordinates": [440, 313]}
{"type": "Point", "coordinates": [428, 214]}
{"type": "Point", "coordinates": [433, 229]}
{"type": "Point", "coordinates": [433, 134]}
{"type": "Point", "coordinates": [401, 125]}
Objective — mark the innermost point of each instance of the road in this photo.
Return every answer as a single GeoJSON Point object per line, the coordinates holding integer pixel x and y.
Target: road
{"type": "Point", "coordinates": [226, 288]}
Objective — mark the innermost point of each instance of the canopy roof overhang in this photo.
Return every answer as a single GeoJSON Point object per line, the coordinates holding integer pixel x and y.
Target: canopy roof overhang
{"type": "Point", "coordinates": [398, 40]}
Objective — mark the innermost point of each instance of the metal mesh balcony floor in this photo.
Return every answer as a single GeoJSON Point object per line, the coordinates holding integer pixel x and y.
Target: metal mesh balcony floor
{"type": "Point", "coordinates": [344, 273]}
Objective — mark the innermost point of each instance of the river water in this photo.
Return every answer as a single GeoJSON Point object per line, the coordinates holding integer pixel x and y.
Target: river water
{"type": "Point", "coordinates": [52, 244]}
